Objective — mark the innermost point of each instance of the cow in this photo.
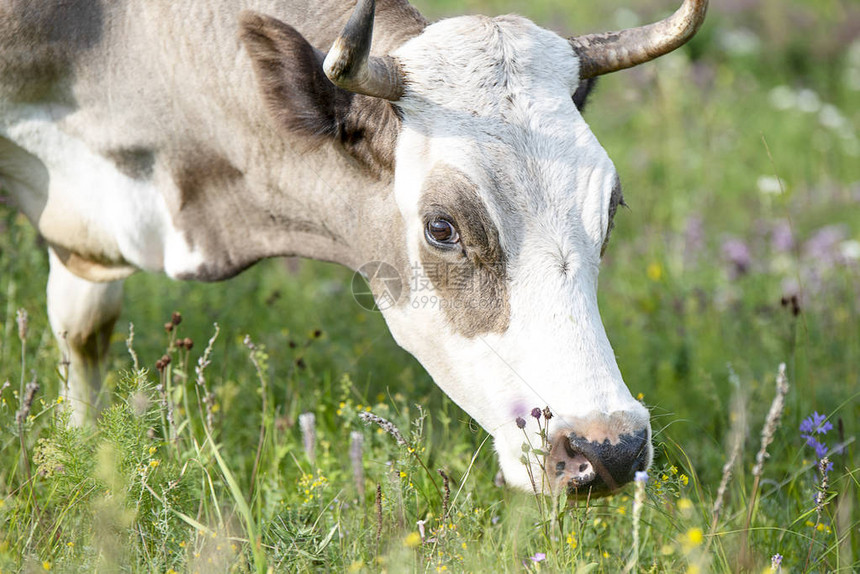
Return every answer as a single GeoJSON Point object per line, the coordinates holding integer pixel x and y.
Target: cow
{"type": "Point", "coordinates": [196, 138]}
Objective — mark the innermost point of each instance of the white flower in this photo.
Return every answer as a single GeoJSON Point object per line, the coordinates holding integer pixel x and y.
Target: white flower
{"type": "Point", "coordinates": [808, 101]}
{"type": "Point", "coordinates": [769, 185]}
{"type": "Point", "coordinates": [782, 98]}
{"type": "Point", "coordinates": [850, 249]}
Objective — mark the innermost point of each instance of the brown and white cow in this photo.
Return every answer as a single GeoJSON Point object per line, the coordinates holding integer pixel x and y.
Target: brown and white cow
{"type": "Point", "coordinates": [195, 138]}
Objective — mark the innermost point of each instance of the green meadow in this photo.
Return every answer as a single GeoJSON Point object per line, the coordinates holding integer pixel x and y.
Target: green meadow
{"type": "Point", "coordinates": [739, 156]}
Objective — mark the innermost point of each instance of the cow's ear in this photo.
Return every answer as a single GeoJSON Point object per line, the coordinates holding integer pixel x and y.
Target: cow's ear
{"type": "Point", "coordinates": [301, 99]}
{"type": "Point", "coordinates": [580, 96]}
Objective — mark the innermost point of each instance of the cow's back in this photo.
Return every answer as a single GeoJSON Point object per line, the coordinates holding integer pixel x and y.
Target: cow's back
{"type": "Point", "coordinates": [39, 42]}
{"type": "Point", "coordinates": [128, 127]}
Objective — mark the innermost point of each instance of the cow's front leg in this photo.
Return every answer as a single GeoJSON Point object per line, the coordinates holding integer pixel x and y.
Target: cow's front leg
{"type": "Point", "coordinates": [82, 315]}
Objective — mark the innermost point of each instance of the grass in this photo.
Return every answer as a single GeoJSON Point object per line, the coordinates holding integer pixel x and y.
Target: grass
{"type": "Point", "coordinates": [204, 467]}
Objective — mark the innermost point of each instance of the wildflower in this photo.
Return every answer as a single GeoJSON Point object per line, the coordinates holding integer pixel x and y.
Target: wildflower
{"type": "Point", "coordinates": [684, 479]}
{"type": "Point", "coordinates": [641, 476]}
{"type": "Point", "coordinates": [571, 540]}
{"type": "Point", "coordinates": [46, 565]}
{"type": "Point", "coordinates": [654, 271]}
{"type": "Point", "coordinates": [693, 538]}
{"type": "Point", "coordinates": [521, 422]}
{"type": "Point", "coordinates": [154, 463]}
{"type": "Point", "coordinates": [547, 414]}
{"type": "Point", "coordinates": [776, 562]}
{"type": "Point", "coordinates": [152, 450]}
{"type": "Point", "coordinates": [412, 540]}
{"type": "Point", "coordinates": [737, 254]}
{"type": "Point", "coordinates": [769, 185]}
{"type": "Point", "coordinates": [685, 504]}
{"type": "Point", "coordinates": [538, 557]}
{"type": "Point", "coordinates": [815, 423]}
{"type": "Point", "coordinates": [536, 412]}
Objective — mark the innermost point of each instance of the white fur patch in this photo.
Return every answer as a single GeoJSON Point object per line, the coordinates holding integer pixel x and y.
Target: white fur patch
{"type": "Point", "coordinates": [85, 200]}
{"type": "Point", "coordinates": [492, 98]}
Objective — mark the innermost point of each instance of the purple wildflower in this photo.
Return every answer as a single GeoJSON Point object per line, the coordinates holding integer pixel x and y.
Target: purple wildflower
{"type": "Point", "coordinates": [781, 238]}
{"type": "Point", "coordinates": [641, 476]}
{"type": "Point", "coordinates": [538, 557]}
{"type": "Point", "coordinates": [737, 255]}
{"type": "Point", "coordinates": [815, 424]}
{"type": "Point", "coordinates": [823, 246]}
{"type": "Point", "coordinates": [536, 412]}
{"type": "Point", "coordinates": [776, 562]}
{"type": "Point", "coordinates": [521, 422]}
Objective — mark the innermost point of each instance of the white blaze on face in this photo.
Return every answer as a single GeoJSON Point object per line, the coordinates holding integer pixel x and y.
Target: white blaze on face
{"type": "Point", "coordinates": [491, 98]}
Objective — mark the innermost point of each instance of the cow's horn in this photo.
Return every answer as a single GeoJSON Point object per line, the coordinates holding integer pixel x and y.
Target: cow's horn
{"type": "Point", "coordinates": [603, 53]}
{"type": "Point", "coordinates": [350, 66]}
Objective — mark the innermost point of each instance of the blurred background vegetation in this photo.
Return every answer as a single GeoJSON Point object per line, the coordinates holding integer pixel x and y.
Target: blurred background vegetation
{"type": "Point", "coordinates": [740, 160]}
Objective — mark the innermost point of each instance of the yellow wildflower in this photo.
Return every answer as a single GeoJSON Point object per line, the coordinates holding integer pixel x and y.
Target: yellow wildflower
{"type": "Point", "coordinates": [412, 540]}
{"type": "Point", "coordinates": [684, 480]}
{"type": "Point", "coordinates": [46, 565]}
{"type": "Point", "coordinates": [154, 463]}
{"type": "Point", "coordinates": [654, 271]}
{"type": "Point", "coordinates": [685, 504]}
{"type": "Point", "coordinates": [693, 538]}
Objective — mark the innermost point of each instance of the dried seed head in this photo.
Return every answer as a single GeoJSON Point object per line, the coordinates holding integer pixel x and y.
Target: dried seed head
{"type": "Point", "coordinates": [159, 365]}
{"type": "Point", "coordinates": [189, 344]}
{"type": "Point", "coordinates": [168, 327]}
{"type": "Point", "coordinates": [165, 359]}
{"type": "Point", "coordinates": [385, 425]}
{"type": "Point", "coordinates": [176, 319]}
{"type": "Point", "coordinates": [317, 333]}
{"type": "Point", "coordinates": [23, 323]}
{"type": "Point", "coordinates": [547, 414]}
{"type": "Point", "coordinates": [356, 457]}
{"type": "Point", "coordinates": [307, 425]}
{"type": "Point", "coordinates": [27, 403]}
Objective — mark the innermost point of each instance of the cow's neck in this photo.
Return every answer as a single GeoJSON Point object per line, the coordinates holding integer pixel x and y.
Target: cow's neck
{"type": "Point", "coordinates": [271, 196]}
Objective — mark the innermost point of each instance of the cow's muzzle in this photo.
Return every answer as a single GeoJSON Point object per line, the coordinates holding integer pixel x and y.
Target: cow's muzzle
{"type": "Point", "coordinates": [585, 467]}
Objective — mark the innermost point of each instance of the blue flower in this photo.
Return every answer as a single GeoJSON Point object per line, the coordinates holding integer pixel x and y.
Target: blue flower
{"type": "Point", "coordinates": [538, 557]}
{"type": "Point", "coordinates": [641, 476]}
{"type": "Point", "coordinates": [815, 424]}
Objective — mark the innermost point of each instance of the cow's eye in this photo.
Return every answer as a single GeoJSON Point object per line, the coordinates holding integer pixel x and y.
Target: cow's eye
{"type": "Point", "coordinates": [441, 233]}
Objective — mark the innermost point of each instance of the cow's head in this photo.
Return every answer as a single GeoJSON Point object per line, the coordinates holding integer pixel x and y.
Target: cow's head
{"type": "Point", "coordinates": [507, 200]}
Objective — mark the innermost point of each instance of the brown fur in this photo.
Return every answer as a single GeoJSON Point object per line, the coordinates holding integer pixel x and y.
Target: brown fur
{"type": "Point", "coordinates": [471, 282]}
{"type": "Point", "coordinates": [301, 99]}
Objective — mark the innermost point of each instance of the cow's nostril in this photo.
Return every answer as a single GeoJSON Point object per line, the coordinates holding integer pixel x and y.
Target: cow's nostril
{"type": "Point", "coordinates": [599, 467]}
